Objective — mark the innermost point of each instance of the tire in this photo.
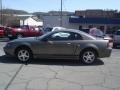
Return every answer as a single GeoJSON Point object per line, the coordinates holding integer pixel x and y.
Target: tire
{"type": "Point", "coordinates": [19, 36]}
{"type": "Point", "coordinates": [24, 54]}
{"type": "Point", "coordinates": [88, 57]}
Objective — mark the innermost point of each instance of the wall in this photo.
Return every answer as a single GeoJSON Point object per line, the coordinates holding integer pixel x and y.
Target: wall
{"type": "Point", "coordinates": [54, 21]}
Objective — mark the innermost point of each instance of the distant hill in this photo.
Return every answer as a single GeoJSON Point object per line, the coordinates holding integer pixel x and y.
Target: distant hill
{"type": "Point", "coordinates": [54, 13]}
{"type": "Point", "coordinates": [13, 11]}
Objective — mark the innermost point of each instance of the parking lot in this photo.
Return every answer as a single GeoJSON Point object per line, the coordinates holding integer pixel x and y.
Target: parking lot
{"type": "Point", "coordinates": [59, 74]}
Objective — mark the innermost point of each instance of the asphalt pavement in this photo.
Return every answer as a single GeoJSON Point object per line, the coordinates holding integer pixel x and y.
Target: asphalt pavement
{"type": "Point", "coordinates": [43, 74]}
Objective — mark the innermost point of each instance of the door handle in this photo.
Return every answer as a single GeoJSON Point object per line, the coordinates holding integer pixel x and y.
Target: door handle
{"type": "Point", "coordinates": [68, 43]}
{"type": "Point", "coordinates": [50, 42]}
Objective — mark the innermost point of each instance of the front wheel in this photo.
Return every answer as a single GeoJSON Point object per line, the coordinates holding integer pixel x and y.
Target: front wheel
{"type": "Point", "coordinates": [24, 55]}
{"type": "Point", "coordinates": [19, 36]}
{"type": "Point", "coordinates": [88, 57]}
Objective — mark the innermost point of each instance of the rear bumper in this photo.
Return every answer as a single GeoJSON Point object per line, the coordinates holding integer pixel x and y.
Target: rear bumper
{"type": "Point", "coordinates": [105, 53]}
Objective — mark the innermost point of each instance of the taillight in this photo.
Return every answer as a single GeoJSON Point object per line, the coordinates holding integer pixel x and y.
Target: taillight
{"type": "Point", "coordinates": [110, 44]}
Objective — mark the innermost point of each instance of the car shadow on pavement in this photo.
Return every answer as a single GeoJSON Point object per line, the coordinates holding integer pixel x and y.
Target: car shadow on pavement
{"type": "Point", "coordinates": [60, 62]}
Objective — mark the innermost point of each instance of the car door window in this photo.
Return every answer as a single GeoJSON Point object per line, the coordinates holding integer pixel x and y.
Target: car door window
{"type": "Point", "coordinates": [65, 36]}
{"type": "Point", "coordinates": [60, 36]}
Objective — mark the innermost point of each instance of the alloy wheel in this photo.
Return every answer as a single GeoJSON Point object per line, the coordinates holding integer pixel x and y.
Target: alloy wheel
{"type": "Point", "coordinates": [23, 55]}
{"type": "Point", "coordinates": [88, 57]}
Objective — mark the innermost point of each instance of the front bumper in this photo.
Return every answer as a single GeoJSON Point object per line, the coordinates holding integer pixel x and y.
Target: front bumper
{"type": "Point", "coordinates": [9, 51]}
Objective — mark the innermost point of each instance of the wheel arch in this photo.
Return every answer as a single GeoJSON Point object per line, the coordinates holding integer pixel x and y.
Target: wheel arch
{"type": "Point", "coordinates": [22, 46]}
{"type": "Point", "coordinates": [89, 48]}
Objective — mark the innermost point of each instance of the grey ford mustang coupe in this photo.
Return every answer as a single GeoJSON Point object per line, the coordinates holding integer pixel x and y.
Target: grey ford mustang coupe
{"type": "Point", "coordinates": [60, 44]}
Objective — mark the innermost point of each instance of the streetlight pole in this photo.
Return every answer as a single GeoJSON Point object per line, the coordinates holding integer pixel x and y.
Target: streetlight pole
{"type": "Point", "coordinates": [61, 15]}
{"type": "Point", "coordinates": [1, 11]}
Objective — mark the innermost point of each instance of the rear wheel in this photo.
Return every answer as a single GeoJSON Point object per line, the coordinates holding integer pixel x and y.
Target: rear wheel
{"type": "Point", "coordinates": [88, 57]}
{"type": "Point", "coordinates": [24, 54]}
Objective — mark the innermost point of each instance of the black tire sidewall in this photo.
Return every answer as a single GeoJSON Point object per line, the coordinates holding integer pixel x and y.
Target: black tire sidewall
{"type": "Point", "coordinates": [19, 35]}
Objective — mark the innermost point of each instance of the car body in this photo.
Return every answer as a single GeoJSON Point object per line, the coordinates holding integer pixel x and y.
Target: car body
{"type": "Point", "coordinates": [116, 38]}
{"type": "Point", "coordinates": [60, 44]}
{"type": "Point", "coordinates": [2, 31]}
{"type": "Point", "coordinates": [23, 31]}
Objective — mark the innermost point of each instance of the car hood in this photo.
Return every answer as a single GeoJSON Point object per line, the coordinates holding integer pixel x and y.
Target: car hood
{"type": "Point", "coordinates": [28, 39]}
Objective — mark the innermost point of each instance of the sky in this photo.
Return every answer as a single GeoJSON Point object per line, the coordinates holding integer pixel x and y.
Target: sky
{"type": "Point", "coordinates": [68, 5]}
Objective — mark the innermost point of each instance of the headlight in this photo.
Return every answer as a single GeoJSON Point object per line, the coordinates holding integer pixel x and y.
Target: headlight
{"type": "Point", "coordinates": [8, 45]}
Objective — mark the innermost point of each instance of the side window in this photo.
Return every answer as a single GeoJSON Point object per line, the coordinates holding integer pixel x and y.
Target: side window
{"type": "Point", "coordinates": [60, 36]}
{"type": "Point", "coordinates": [75, 36]}
{"type": "Point", "coordinates": [65, 36]}
{"type": "Point", "coordinates": [78, 37]}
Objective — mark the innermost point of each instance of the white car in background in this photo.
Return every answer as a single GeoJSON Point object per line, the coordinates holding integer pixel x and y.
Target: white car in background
{"type": "Point", "coordinates": [116, 38]}
{"type": "Point", "coordinates": [58, 28]}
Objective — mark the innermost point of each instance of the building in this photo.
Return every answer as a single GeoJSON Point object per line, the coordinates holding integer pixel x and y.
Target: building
{"type": "Point", "coordinates": [104, 20]}
{"type": "Point", "coordinates": [97, 13]}
{"type": "Point", "coordinates": [26, 20]}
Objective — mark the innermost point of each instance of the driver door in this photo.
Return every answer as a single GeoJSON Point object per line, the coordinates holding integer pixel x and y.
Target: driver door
{"type": "Point", "coordinates": [57, 44]}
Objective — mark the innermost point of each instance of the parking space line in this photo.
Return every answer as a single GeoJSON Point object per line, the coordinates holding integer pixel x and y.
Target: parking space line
{"type": "Point", "coordinates": [12, 79]}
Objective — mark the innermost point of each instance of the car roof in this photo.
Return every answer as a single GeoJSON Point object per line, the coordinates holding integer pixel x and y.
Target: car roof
{"type": "Point", "coordinates": [75, 31]}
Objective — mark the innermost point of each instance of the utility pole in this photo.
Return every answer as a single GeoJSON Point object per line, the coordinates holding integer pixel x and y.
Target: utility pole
{"type": "Point", "coordinates": [1, 11]}
{"type": "Point", "coordinates": [61, 15]}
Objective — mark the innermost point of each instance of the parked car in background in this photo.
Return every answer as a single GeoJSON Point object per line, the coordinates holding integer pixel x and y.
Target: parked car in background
{"type": "Point", "coordinates": [23, 31]}
{"type": "Point", "coordinates": [49, 29]}
{"type": "Point", "coordinates": [2, 31]}
{"type": "Point", "coordinates": [97, 33]}
{"type": "Point", "coordinates": [60, 44]}
{"type": "Point", "coordinates": [46, 30]}
{"type": "Point", "coordinates": [109, 33]}
{"type": "Point", "coordinates": [58, 28]}
{"type": "Point", "coordinates": [116, 38]}
{"type": "Point", "coordinates": [85, 30]}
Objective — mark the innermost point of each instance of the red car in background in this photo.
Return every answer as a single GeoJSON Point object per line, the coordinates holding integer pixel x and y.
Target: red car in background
{"type": "Point", "coordinates": [23, 31]}
{"type": "Point", "coordinates": [2, 31]}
